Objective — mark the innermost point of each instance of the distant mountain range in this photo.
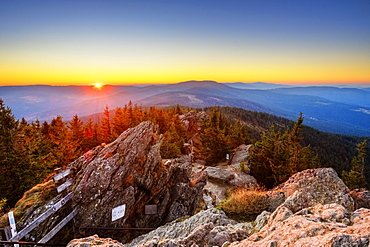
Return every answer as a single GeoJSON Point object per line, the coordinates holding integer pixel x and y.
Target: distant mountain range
{"type": "Point", "coordinates": [329, 108]}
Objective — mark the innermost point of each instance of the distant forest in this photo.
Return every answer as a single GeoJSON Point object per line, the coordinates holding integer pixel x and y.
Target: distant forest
{"type": "Point", "coordinates": [29, 152]}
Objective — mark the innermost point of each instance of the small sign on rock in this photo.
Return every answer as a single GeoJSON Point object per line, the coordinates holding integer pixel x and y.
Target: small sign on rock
{"type": "Point", "coordinates": [118, 212]}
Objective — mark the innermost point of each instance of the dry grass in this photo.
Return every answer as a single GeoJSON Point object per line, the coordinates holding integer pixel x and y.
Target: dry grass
{"type": "Point", "coordinates": [246, 203]}
{"type": "Point", "coordinates": [38, 195]}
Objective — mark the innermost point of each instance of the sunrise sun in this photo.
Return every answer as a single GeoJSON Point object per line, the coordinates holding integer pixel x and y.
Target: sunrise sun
{"type": "Point", "coordinates": [98, 85]}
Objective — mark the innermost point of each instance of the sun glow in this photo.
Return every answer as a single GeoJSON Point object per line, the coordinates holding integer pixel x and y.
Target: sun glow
{"type": "Point", "coordinates": [98, 85]}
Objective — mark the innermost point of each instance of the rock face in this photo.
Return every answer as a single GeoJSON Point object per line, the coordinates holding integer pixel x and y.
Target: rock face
{"type": "Point", "coordinates": [207, 228]}
{"type": "Point", "coordinates": [240, 158]}
{"type": "Point", "coordinates": [321, 225]}
{"type": "Point", "coordinates": [130, 172]}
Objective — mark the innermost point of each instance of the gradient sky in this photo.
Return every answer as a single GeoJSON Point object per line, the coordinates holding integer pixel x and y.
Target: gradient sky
{"type": "Point", "coordinates": [156, 41]}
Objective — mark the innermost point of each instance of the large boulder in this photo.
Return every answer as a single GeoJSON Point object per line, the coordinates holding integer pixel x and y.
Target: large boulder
{"type": "Point", "coordinates": [361, 198]}
{"type": "Point", "coordinates": [239, 159]}
{"type": "Point", "coordinates": [207, 228]}
{"type": "Point", "coordinates": [310, 187]}
{"type": "Point", "coordinates": [130, 172]}
{"type": "Point", "coordinates": [94, 241]}
{"type": "Point", "coordinates": [321, 225]}
{"type": "Point", "coordinates": [222, 178]}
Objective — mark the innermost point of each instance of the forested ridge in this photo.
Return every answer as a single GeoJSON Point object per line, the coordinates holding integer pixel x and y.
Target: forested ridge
{"type": "Point", "coordinates": [29, 152]}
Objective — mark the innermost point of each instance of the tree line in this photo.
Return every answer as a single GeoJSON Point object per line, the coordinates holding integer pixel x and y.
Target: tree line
{"type": "Point", "coordinates": [31, 151]}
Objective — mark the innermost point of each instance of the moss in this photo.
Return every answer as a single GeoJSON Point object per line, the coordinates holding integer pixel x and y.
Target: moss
{"type": "Point", "coordinates": [37, 196]}
{"type": "Point", "coordinates": [182, 219]}
{"type": "Point", "coordinates": [243, 167]}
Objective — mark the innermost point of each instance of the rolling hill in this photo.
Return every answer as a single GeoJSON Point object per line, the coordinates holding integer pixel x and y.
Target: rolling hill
{"type": "Point", "coordinates": [331, 109]}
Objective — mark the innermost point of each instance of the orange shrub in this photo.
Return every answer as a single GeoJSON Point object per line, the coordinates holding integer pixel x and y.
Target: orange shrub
{"type": "Point", "coordinates": [246, 204]}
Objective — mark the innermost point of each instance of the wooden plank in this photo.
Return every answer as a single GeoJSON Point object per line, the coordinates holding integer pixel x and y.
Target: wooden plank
{"type": "Point", "coordinates": [41, 218]}
{"type": "Point", "coordinates": [61, 175]}
{"type": "Point", "coordinates": [57, 228]}
{"type": "Point", "coordinates": [6, 233]}
{"type": "Point", "coordinates": [64, 186]}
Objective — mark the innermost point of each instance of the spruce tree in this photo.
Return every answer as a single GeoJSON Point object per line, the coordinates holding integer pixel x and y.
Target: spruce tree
{"type": "Point", "coordinates": [355, 178]}
{"type": "Point", "coordinates": [279, 155]}
{"type": "Point", "coordinates": [106, 127]}
{"type": "Point", "coordinates": [75, 127]}
{"type": "Point", "coordinates": [8, 156]}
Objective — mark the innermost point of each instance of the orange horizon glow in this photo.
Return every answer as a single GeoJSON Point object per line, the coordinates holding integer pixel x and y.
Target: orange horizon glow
{"type": "Point", "coordinates": [99, 87]}
{"type": "Point", "coordinates": [67, 42]}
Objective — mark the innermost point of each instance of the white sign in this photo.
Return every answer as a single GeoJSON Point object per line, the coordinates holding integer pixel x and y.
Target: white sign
{"type": "Point", "coordinates": [12, 226]}
{"type": "Point", "coordinates": [118, 212]}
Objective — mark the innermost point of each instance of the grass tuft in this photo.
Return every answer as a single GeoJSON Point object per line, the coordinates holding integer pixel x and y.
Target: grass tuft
{"type": "Point", "coordinates": [246, 204]}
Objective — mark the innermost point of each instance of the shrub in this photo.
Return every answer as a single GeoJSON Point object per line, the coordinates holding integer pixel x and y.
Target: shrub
{"type": "Point", "coordinates": [243, 167]}
{"type": "Point", "coordinates": [246, 203]}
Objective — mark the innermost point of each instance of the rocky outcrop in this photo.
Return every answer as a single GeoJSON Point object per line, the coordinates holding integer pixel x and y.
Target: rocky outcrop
{"type": "Point", "coordinates": [313, 208]}
{"type": "Point", "coordinates": [207, 228]}
{"type": "Point", "coordinates": [361, 197]}
{"type": "Point", "coordinates": [318, 211]}
{"type": "Point", "coordinates": [239, 159]}
{"type": "Point", "coordinates": [321, 225]}
{"type": "Point", "coordinates": [310, 187]}
{"type": "Point", "coordinates": [224, 177]}
{"type": "Point", "coordinates": [130, 172]}
{"type": "Point", "coordinates": [94, 241]}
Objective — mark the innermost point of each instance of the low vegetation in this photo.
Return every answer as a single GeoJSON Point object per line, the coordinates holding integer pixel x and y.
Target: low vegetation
{"type": "Point", "coordinates": [246, 203]}
{"type": "Point", "coordinates": [36, 196]}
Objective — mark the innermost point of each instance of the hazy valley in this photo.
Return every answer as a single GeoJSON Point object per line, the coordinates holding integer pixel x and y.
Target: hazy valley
{"type": "Point", "coordinates": [332, 109]}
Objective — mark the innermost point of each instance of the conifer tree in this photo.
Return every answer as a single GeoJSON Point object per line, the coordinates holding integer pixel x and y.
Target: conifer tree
{"type": "Point", "coordinates": [8, 175]}
{"type": "Point", "coordinates": [106, 126]}
{"type": "Point", "coordinates": [77, 133]}
{"type": "Point", "coordinates": [215, 144]}
{"type": "Point", "coordinates": [355, 178]}
{"type": "Point", "coordinates": [172, 143]}
{"type": "Point", "coordinates": [119, 122]}
{"type": "Point", "coordinates": [63, 148]}
{"type": "Point", "coordinates": [238, 134]}
{"type": "Point", "coordinates": [279, 155]}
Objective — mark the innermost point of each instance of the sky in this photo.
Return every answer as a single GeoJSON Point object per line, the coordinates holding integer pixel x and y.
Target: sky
{"type": "Point", "coordinates": [168, 41]}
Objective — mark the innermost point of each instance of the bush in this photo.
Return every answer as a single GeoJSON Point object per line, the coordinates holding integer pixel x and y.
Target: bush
{"type": "Point", "coordinates": [246, 204]}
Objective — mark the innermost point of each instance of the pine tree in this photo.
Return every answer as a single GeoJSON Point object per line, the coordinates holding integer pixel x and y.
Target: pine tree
{"type": "Point", "coordinates": [238, 134]}
{"type": "Point", "coordinates": [355, 178]}
{"type": "Point", "coordinates": [92, 135]}
{"type": "Point", "coordinates": [215, 144]}
{"type": "Point", "coordinates": [171, 144]}
{"type": "Point", "coordinates": [279, 155]}
{"type": "Point", "coordinates": [106, 133]}
{"type": "Point", "coordinates": [119, 123]}
{"type": "Point", "coordinates": [75, 127]}
{"type": "Point", "coordinates": [63, 148]}
{"type": "Point", "coordinates": [9, 176]}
